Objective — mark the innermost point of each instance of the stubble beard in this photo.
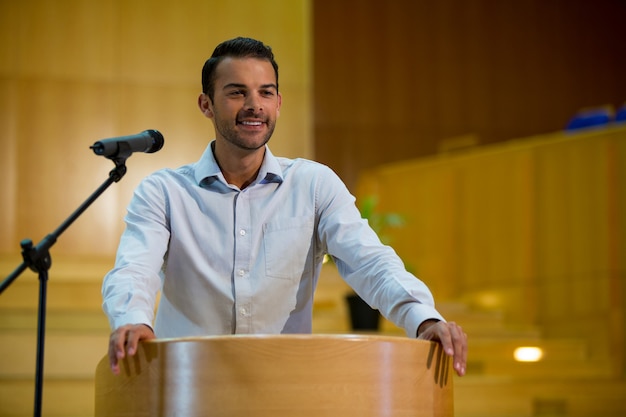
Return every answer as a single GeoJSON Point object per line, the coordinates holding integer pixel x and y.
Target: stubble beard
{"type": "Point", "coordinates": [233, 137]}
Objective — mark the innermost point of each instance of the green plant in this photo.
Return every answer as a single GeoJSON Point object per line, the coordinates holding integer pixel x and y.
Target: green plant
{"type": "Point", "coordinates": [379, 222]}
{"type": "Point", "coordinates": [362, 316]}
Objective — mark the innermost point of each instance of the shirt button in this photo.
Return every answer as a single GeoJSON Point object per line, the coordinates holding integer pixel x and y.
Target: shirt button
{"type": "Point", "coordinates": [242, 232]}
{"type": "Point", "coordinates": [243, 311]}
{"type": "Point", "coordinates": [241, 272]}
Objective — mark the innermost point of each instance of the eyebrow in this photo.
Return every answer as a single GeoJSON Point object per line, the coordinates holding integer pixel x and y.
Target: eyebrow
{"type": "Point", "coordinates": [236, 85]}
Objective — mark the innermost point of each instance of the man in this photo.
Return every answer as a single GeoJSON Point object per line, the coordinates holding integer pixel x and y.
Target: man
{"type": "Point", "coordinates": [235, 241]}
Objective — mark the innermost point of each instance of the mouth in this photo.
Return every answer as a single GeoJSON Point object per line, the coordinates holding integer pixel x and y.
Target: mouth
{"type": "Point", "coordinates": [251, 123]}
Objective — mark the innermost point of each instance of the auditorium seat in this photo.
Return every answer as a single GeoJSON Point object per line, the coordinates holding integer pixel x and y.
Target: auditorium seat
{"type": "Point", "coordinates": [592, 117]}
{"type": "Point", "coordinates": [620, 115]}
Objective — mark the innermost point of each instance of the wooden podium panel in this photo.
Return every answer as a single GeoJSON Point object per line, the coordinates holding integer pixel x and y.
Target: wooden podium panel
{"type": "Point", "coordinates": [279, 375]}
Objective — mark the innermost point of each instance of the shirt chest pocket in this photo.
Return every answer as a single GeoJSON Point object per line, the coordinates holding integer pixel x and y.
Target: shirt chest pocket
{"type": "Point", "coordinates": [288, 247]}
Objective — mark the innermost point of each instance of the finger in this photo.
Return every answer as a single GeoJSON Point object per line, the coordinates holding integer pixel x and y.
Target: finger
{"type": "Point", "coordinates": [459, 342]}
{"type": "Point", "coordinates": [113, 360]}
{"type": "Point", "coordinates": [445, 337]}
{"type": "Point", "coordinates": [132, 339]}
{"type": "Point", "coordinates": [117, 341]}
{"type": "Point", "coordinates": [464, 352]}
{"type": "Point", "coordinates": [135, 334]}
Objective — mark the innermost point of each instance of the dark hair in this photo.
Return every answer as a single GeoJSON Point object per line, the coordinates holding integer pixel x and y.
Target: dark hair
{"type": "Point", "coordinates": [235, 48]}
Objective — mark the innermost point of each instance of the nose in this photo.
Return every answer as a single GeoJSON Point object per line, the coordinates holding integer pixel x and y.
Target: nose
{"type": "Point", "coordinates": [253, 103]}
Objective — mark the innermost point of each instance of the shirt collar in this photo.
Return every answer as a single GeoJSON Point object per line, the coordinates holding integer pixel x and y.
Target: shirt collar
{"type": "Point", "coordinates": [208, 171]}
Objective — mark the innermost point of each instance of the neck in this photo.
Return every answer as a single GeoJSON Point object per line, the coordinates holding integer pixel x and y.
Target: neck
{"type": "Point", "coordinates": [240, 167]}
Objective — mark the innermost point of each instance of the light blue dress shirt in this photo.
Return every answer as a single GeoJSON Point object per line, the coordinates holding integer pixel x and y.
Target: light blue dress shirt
{"type": "Point", "coordinates": [231, 261]}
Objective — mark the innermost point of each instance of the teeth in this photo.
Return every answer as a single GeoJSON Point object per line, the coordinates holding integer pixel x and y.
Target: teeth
{"type": "Point", "coordinates": [251, 123]}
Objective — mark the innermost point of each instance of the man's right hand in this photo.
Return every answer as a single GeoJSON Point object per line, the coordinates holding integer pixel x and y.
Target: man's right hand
{"type": "Point", "coordinates": [124, 340]}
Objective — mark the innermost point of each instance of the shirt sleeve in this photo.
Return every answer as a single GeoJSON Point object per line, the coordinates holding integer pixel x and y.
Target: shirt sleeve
{"type": "Point", "coordinates": [372, 269]}
{"type": "Point", "coordinates": [130, 289]}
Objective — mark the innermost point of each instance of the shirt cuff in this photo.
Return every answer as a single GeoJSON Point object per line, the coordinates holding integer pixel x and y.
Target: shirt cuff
{"type": "Point", "coordinates": [132, 317]}
{"type": "Point", "coordinates": [417, 315]}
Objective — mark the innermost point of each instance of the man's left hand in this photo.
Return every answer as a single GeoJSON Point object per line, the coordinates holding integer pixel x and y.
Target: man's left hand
{"type": "Point", "coordinates": [452, 338]}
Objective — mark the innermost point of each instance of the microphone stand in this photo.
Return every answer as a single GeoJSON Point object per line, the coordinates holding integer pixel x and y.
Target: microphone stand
{"type": "Point", "coordinates": [38, 259]}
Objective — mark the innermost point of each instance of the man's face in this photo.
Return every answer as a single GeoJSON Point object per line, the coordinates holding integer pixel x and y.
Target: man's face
{"type": "Point", "coordinates": [246, 102]}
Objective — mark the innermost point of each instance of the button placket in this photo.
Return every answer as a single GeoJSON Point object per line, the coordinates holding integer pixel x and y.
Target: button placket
{"type": "Point", "coordinates": [243, 287]}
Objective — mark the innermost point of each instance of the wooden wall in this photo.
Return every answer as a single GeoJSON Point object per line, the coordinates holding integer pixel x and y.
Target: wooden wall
{"type": "Point", "coordinates": [395, 79]}
{"type": "Point", "coordinates": [75, 71]}
{"type": "Point", "coordinates": [531, 228]}
{"type": "Point", "coordinates": [522, 243]}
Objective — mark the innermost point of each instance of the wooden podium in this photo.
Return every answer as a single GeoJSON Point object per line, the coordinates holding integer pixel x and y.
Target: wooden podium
{"type": "Point", "coordinates": [279, 376]}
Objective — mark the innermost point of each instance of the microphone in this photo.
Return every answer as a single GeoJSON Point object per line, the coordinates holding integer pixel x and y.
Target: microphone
{"type": "Point", "coordinates": [148, 141]}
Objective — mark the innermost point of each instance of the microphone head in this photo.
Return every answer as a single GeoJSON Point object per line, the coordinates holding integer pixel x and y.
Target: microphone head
{"type": "Point", "coordinates": [148, 141]}
{"type": "Point", "coordinates": [157, 140]}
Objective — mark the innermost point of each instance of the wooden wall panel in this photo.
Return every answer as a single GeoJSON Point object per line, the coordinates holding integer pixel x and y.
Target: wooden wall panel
{"type": "Point", "coordinates": [70, 39]}
{"type": "Point", "coordinates": [77, 71]}
{"type": "Point", "coordinates": [395, 79]}
{"type": "Point", "coordinates": [531, 228]}
{"type": "Point", "coordinates": [56, 170]}
{"type": "Point", "coordinates": [8, 186]}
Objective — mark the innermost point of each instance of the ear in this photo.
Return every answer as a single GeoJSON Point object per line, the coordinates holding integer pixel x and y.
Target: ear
{"type": "Point", "coordinates": [279, 104]}
{"type": "Point", "coordinates": [205, 105]}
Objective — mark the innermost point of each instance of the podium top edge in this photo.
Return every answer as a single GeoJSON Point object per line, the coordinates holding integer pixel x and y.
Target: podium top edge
{"type": "Point", "coordinates": [292, 337]}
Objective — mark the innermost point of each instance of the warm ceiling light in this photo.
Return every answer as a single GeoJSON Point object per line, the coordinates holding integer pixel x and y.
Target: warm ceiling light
{"type": "Point", "coordinates": [528, 354]}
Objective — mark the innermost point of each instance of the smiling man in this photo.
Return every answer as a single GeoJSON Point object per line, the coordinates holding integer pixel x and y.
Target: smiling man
{"type": "Point", "coordinates": [235, 241]}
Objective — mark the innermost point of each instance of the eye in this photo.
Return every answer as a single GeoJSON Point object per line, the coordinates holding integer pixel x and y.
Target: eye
{"type": "Point", "coordinates": [267, 93]}
{"type": "Point", "coordinates": [236, 93]}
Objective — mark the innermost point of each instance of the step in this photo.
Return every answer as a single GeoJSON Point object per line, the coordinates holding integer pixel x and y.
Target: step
{"type": "Point", "coordinates": [56, 319]}
{"type": "Point", "coordinates": [553, 349]}
{"type": "Point", "coordinates": [596, 368]}
{"type": "Point", "coordinates": [63, 267]}
{"type": "Point", "coordinates": [480, 329]}
{"type": "Point", "coordinates": [70, 397]}
{"type": "Point", "coordinates": [509, 397]}
{"type": "Point", "coordinates": [61, 295]}
{"type": "Point", "coordinates": [484, 323]}
{"type": "Point", "coordinates": [66, 354]}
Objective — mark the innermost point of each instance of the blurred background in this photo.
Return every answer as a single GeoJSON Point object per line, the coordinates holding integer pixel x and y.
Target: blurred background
{"type": "Point", "coordinates": [493, 128]}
